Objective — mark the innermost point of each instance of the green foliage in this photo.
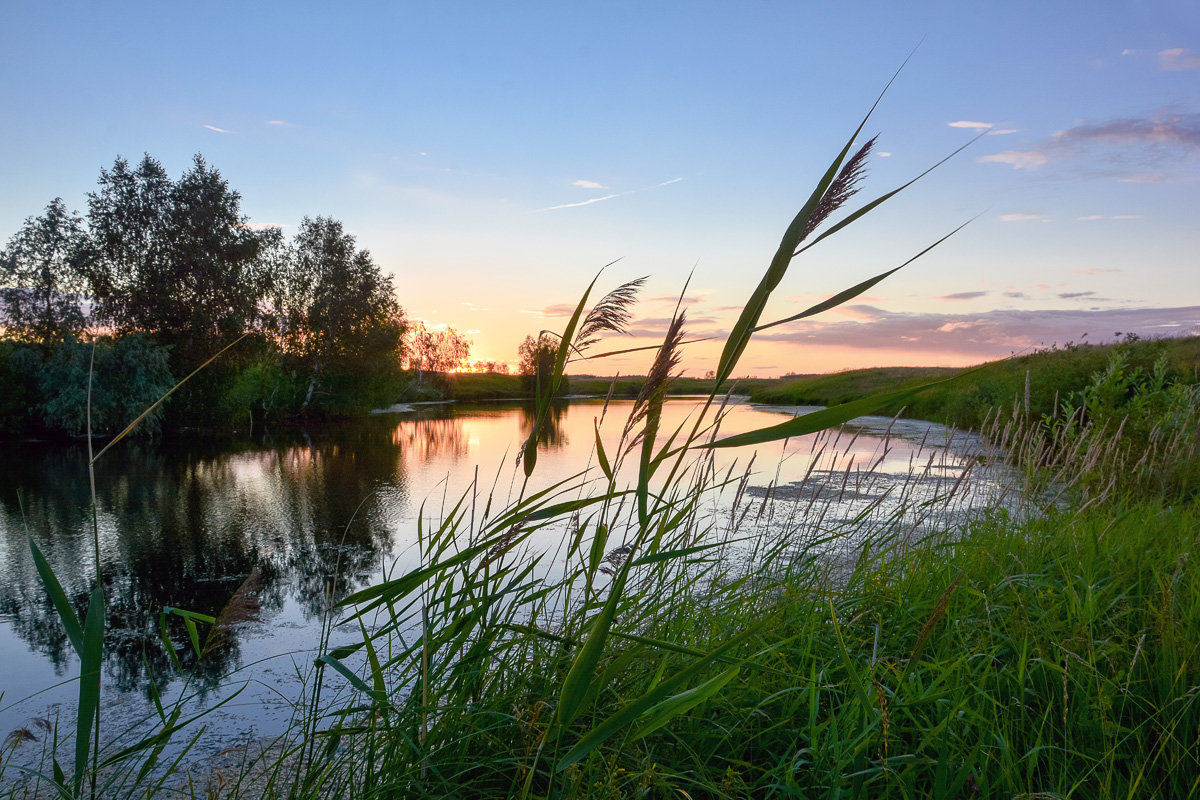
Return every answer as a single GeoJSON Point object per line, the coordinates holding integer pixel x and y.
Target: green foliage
{"type": "Point", "coordinates": [43, 277]}
{"type": "Point", "coordinates": [176, 259]}
{"type": "Point", "coordinates": [468, 386]}
{"type": "Point", "coordinates": [129, 374]}
{"type": "Point", "coordinates": [258, 390]}
{"type": "Point", "coordinates": [21, 398]}
{"type": "Point", "coordinates": [1136, 428]}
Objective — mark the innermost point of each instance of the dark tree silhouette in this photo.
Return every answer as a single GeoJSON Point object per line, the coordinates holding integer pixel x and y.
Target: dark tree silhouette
{"type": "Point", "coordinates": [176, 259]}
{"type": "Point", "coordinates": [43, 277]}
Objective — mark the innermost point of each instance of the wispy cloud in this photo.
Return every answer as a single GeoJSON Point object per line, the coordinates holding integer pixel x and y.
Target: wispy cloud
{"type": "Point", "coordinates": [558, 310]}
{"type": "Point", "coordinates": [609, 196]}
{"type": "Point", "coordinates": [1018, 159]}
{"type": "Point", "coordinates": [1176, 59]}
{"type": "Point", "coordinates": [1128, 51]}
{"type": "Point", "coordinates": [883, 154]}
{"type": "Point", "coordinates": [990, 334]}
{"type": "Point", "coordinates": [962, 296]}
{"type": "Point", "coordinates": [978, 126]}
{"type": "Point", "coordinates": [582, 184]}
{"type": "Point", "coordinates": [1174, 129]}
{"type": "Point", "coordinates": [1144, 177]}
{"type": "Point", "coordinates": [1119, 148]}
{"type": "Point", "coordinates": [278, 122]}
{"type": "Point", "coordinates": [1004, 131]}
{"type": "Point", "coordinates": [1074, 295]}
{"type": "Point", "coordinates": [218, 130]}
{"type": "Point", "coordinates": [1024, 216]}
{"type": "Point", "coordinates": [1096, 270]}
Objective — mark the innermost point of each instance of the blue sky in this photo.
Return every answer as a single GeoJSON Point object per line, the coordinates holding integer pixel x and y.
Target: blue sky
{"type": "Point", "coordinates": [462, 143]}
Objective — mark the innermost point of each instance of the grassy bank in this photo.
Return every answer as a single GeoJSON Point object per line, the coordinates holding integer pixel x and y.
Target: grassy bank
{"type": "Point", "coordinates": [1052, 376]}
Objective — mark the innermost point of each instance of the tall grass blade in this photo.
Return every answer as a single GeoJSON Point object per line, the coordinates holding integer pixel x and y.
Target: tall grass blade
{"type": "Point", "coordinates": [91, 657]}
{"type": "Point", "coordinates": [641, 705]}
{"type": "Point", "coordinates": [739, 336]}
{"type": "Point", "coordinates": [66, 613]}
{"type": "Point", "coordinates": [825, 418]}
{"type": "Point", "coordinates": [579, 678]}
{"type": "Point", "coordinates": [683, 702]}
{"type": "Point", "coordinates": [855, 291]}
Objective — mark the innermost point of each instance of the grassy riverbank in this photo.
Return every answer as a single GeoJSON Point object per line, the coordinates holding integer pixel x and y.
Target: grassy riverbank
{"type": "Point", "coordinates": [1053, 375]}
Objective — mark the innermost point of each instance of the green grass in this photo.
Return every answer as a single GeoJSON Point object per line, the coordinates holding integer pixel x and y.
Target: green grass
{"type": "Point", "coordinates": [966, 402]}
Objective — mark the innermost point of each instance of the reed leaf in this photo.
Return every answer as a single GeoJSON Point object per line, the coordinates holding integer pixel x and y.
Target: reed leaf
{"type": "Point", "coordinates": [739, 336]}
{"type": "Point", "coordinates": [605, 467]}
{"type": "Point", "coordinates": [639, 706]}
{"type": "Point", "coordinates": [683, 702]}
{"type": "Point", "coordinates": [66, 613]}
{"type": "Point", "coordinates": [826, 418]}
{"type": "Point", "coordinates": [576, 684]}
{"type": "Point", "coordinates": [377, 697]}
{"type": "Point", "coordinates": [856, 290]}
{"type": "Point", "coordinates": [91, 657]}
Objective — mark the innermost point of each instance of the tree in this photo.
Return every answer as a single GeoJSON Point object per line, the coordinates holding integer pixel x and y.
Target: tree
{"type": "Point", "coordinates": [535, 358]}
{"type": "Point", "coordinates": [43, 272]}
{"type": "Point", "coordinates": [176, 260]}
{"type": "Point", "coordinates": [436, 350]}
{"type": "Point", "coordinates": [333, 306]}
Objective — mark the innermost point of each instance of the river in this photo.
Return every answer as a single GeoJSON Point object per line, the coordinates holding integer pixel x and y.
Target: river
{"type": "Point", "coordinates": [306, 513]}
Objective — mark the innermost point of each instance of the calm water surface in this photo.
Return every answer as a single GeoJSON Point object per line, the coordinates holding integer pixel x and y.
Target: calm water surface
{"type": "Point", "coordinates": [327, 509]}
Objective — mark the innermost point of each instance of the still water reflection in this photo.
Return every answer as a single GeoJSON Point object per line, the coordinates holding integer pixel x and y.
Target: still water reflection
{"type": "Point", "coordinates": [302, 514]}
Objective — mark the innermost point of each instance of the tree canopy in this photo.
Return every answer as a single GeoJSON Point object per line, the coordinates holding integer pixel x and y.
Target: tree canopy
{"type": "Point", "coordinates": [176, 262]}
{"type": "Point", "coordinates": [44, 276]}
{"type": "Point", "coordinates": [175, 259]}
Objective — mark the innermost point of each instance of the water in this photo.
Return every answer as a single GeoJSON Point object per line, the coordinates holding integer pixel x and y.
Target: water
{"type": "Point", "coordinates": [328, 509]}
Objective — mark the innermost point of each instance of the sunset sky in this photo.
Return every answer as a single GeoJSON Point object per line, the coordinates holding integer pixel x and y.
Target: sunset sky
{"type": "Point", "coordinates": [493, 156]}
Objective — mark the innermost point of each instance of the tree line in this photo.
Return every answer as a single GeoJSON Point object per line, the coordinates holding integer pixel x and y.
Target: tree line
{"type": "Point", "coordinates": [158, 275]}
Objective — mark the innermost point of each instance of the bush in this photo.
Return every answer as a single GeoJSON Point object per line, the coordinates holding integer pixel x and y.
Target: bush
{"type": "Point", "coordinates": [128, 374]}
{"type": "Point", "coordinates": [21, 398]}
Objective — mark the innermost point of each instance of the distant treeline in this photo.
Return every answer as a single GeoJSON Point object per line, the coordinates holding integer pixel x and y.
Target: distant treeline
{"type": "Point", "coordinates": [159, 275]}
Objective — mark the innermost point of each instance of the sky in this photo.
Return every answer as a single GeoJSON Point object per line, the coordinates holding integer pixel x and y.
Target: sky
{"type": "Point", "coordinates": [493, 157]}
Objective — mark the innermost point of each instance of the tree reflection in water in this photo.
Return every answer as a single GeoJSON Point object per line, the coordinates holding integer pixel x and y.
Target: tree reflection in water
{"type": "Point", "coordinates": [555, 435]}
{"type": "Point", "coordinates": [183, 523]}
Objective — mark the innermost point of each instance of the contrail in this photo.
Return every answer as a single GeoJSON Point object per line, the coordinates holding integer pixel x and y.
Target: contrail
{"type": "Point", "coordinates": [609, 196]}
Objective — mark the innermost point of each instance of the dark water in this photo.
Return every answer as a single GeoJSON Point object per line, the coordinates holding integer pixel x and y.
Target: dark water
{"type": "Point", "coordinates": [302, 515]}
